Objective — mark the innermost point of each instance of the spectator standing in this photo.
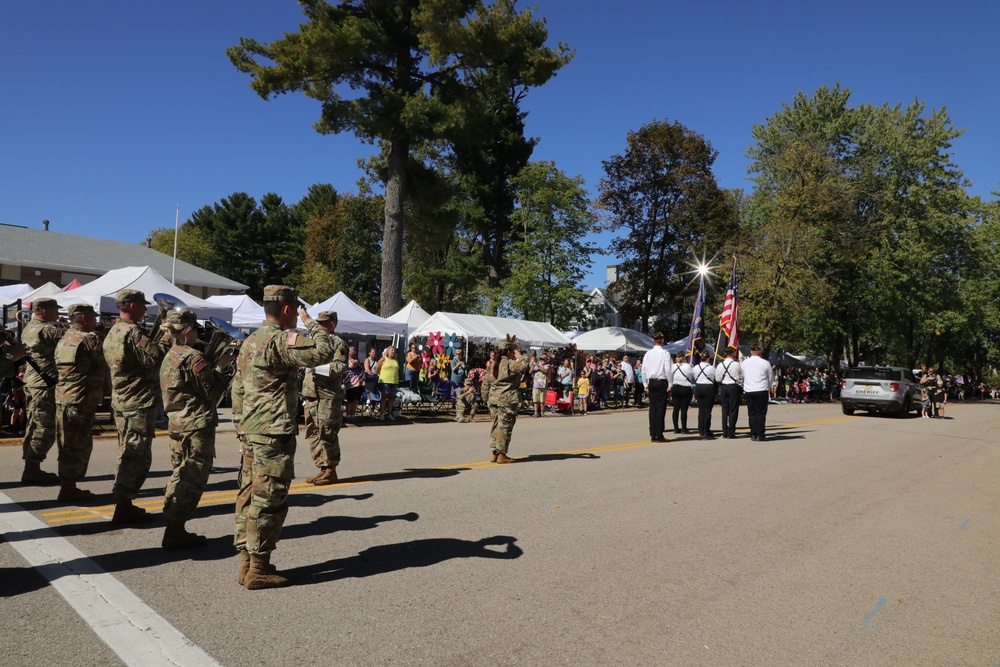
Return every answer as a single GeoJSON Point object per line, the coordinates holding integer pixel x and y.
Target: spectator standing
{"type": "Point", "coordinates": [730, 376]}
{"type": "Point", "coordinates": [628, 386]}
{"type": "Point", "coordinates": [538, 387]}
{"type": "Point", "coordinates": [566, 376]}
{"type": "Point", "coordinates": [388, 377]}
{"type": "Point", "coordinates": [658, 377]}
{"type": "Point", "coordinates": [583, 390]}
{"type": "Point", "coordinates": [414, 362]}
{"type": "Point", "coordinates": [757, 378]}
{"type": "Point", "coordinates": [459, 371]}
{"type": "Point", "coordinates": [638, 383]}
{"type": "Point", "coordinates": [354, 383]}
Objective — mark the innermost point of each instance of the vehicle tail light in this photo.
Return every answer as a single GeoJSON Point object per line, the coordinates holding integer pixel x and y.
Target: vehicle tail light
{"type": "Point", "coordinates": [843, 384]}
{"type": "Point", "coordinates": [894, 387]}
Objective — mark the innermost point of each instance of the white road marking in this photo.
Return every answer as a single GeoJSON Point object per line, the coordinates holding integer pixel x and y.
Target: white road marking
{"type": "Point", "coordinates": [139, 635]}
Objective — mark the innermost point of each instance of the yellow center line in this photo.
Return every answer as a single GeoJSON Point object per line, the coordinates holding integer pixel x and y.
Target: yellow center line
{"type": "Point", "coordinates": [220, 497]}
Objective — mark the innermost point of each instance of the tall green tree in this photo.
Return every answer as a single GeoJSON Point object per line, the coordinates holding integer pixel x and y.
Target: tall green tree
{"type": "Point", "coordinates": [411, 60]}
{"type": "Point", "coordinates": [551, 258]}
{"type": "Point", "coordinates": [661, 198]}
{"type": "Point", "coordinates": [257, 245]}
{"type": "Point", "coordinates": [192, 245]}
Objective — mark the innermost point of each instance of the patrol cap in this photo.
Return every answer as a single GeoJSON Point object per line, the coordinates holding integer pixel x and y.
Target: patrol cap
{"type": "Point", "coordinates": [282, 293]}
{"type": "Point", "coordinates": [469, 381]}
{"type": "Point", "coordinates": [80, 309]}
{"type": "Point", "coordinates": [129, 296]}
{"type": "Point", "coordinates": [327, 316]}
{"type": "Point", "coordinates": [43, 303]}
{"type": "Point", "coordinates": [181, 317]}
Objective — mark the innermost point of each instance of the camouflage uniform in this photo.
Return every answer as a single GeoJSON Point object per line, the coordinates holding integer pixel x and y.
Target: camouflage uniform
{"type": "Point", "coordinates": [191, 389]}
{"type": "Point", "coordinates": [267, 393]}
{"type": "Point", "coordinates": [81, 367]}
{"type": "Point", "coordinates": [324, 407]}
{"type": "Point", "coordinates": [505, 396]}
{"type": "Point", "coordinates": [134, 361]}
{"type": "Point", "coordinates": [40, 433]}
{"type": "Point", "coordinates": [465, 403]}
{"type": "Point", "coordinates": [484, 391]}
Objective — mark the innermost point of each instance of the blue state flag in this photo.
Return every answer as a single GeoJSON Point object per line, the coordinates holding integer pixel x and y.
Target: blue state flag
{"type": "Point", "coordinates": [697, 322]}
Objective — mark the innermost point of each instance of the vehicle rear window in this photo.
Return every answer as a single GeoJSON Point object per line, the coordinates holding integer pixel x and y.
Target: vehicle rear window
{"type": "Point", "coordinates": [872, 374]}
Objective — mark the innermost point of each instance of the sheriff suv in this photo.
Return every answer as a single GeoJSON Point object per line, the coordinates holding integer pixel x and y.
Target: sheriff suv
{"type": "Point", "coordinates": [879, 389]}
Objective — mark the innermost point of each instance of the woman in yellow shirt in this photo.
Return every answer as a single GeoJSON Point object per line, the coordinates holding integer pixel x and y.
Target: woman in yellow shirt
{"type": "Point", "coordinates": [388, 377]}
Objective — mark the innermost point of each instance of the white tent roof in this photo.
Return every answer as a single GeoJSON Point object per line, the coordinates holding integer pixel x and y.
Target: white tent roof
{"type": "Point", "coordinates": [486, 329]}
{"type": "Point", "coordinates": [681, 345]}
{"type": "Point", "coordinates": [11, 293]}
{"type": "Point", "coordinates": [411, 314]}
{"type": "Point", "coordinates": [352, 318]}
{"type": "Point", "coordinates": [246, 311]}
{"type": "Point", "coordinates": [100, 293]}
{"type": "Point", "coordinates": [613, 339]}
{"type": "Point", "coordinates": [48, 289]}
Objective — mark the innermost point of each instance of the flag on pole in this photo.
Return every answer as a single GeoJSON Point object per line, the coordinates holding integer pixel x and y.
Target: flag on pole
{"type": "Point", "coordinates": [731, 310]}
{"type": "Point", "coordinates": [697, 321]}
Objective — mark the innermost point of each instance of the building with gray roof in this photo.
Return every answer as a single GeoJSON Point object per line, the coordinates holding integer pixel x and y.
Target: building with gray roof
{"type": "Point", "coordinates": [37, 256]}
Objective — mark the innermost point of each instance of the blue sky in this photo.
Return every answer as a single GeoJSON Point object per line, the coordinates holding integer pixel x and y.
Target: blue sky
{"type": "Point", "coordinates": [113, 113]}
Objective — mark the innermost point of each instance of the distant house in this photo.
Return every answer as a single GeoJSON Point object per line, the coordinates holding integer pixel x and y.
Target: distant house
{"type": "Point", "coordinates": [38, 256]}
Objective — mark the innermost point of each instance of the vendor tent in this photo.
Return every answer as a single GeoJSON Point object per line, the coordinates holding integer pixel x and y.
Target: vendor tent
{"type": "Point", "coordinates": [412, 315]}
{"type": "Point", "coordinates": [486, 329]}
{"type": "Point", "coordinates": [352, 318]}
{"type": "Point", "coordinates": [11, 293]}
{"type": "Point", "coordinates": [100, 293]}
{"type": "Point", "coordinates": [246, 312]}
{"type": "Point", "coordinates": [681, 346]}
{"type": "Point", "coordinates": [613, 339]}
{"type": "Point", "coordinates": [48, 289]}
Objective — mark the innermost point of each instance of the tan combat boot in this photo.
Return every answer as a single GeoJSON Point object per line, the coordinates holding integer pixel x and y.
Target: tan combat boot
{"type": "Point", "coordinates": [310, 480]}
{"type": "Point", "coordinates": [126, 512]}
{"type": "Point", "coordinates": [264, 575]}
{"type": "Point", "coordinates": [325, 477]}
{"type": "Point", "coordinates": [177, 537]}
{"type": "Point", "coordinates": [33, 474]}
{"type": "Point", "coordinates": [241, 573]}
{"type": "Point", "coordinates": [503, 458]}
{"type": "Point", "coordinates": [493, 459]}
{"type": "Point", "coordinates": [70, 492]}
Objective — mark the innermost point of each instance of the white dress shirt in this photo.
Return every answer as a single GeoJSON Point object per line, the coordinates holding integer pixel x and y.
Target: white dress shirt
{"type": "Point", "coordinates": [704, 373]}
{"type": "Point", "coordinates": [757, 374]}
{"type": "Point", "coordinates": [683, 374]}
{"type": "Point", "coordinates": [657, 365]}
{"type": "Point", "coordinates": [729, 372]}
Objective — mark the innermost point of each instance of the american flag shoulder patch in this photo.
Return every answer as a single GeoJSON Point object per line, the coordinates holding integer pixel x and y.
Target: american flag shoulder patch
{"type": "Point", "coordinates": [199, 365]}
{"type": "Point", "coordinates": [293, 338]}
{"type": "Point", "coordinates": [143, 342]}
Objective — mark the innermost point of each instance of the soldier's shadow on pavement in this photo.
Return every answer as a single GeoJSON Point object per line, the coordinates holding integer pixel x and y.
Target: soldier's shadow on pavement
{"type": "Point", "coordinates": [541, 458]}
{"type": "Point", "coordinates": [319, 499]}
{"type": "Point", "coordinates": [337, 524]}
{"type": "Point", "coordinates": [394, 557]}
{"type": "Point", "coordinates": [20, 580]}
{"type": "Point", "coordinates": [409, 473]}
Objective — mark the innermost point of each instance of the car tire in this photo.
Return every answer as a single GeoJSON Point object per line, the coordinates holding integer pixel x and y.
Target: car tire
{"type": "Point", "coordinates": [847, 409]}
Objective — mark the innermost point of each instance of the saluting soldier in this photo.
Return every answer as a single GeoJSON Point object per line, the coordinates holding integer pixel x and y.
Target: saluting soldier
{"type": "Point", "coordinates": [191, 390]}
{"type": "Point", "coordinates": [134, 360]}
{"type": "Point", "coordinates": [41, 335]}
{"type": "Point", "coordinates": [323, 391]}
{"type": "Point", "coordinates": [505, 396]}
{"type": "Point", "coordinates": [80, 362]}
{"type": "Point", "coordinates": [267, 391]}
{"type": "Point", "coordinates": [465, 402]}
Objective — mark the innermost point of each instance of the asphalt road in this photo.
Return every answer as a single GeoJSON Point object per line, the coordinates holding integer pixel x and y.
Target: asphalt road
{"type": "Point", "coordinates": [841, 541]}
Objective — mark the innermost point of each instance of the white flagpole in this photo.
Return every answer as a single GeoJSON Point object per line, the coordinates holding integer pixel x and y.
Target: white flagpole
{"type": "Point", "coordinates": [173, 269]}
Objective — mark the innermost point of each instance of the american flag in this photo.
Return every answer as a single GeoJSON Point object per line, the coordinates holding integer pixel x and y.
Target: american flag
{"type": "Point", "coordinates": [730, 310]}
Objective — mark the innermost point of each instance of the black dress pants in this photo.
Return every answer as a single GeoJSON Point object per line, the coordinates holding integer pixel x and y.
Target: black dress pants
{"type": "Point", "coordinates": [680, 398]}
{"type": "Point", "coordinates": [704, 394]}
{"type": "Point", "coordinates": [657, 407]}
{"type": "Point", "coordinates": [731, 394]}
{"type": "Point", "coordinates": [757, 412]}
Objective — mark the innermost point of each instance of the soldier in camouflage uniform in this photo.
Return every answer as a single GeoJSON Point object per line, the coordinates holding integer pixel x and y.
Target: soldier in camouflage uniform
{"type": "Point", "coordinates": [80, 363]}
{"type": "Point", "coordinates": [323, 391]}
{"type": "Point", "coordinates": [505, 396]}
{"type": "Point", "coordinates": [465, 402]}
{"type": "Point", "coordinates": [134, 360]}
{"type": "Point", "coordinates": [268, 395]}
{"type": "Point", "coordinates": [41, 335]}
{"type": "Point", "coordinates": [191, 390]}
{"type": "Point", "coordinates": [484, 386]}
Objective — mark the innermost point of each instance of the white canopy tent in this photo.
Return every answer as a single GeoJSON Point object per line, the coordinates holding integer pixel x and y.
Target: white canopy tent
{"type": "Point", "coordinates": [352, 318]}
{"type": "Point", "coordinates": [613, 339]}
{"type": "Point", "coordinates": [246, 312]}
{"type": "Point", "coordinates": [679, 346]}
{"type": "Point", "coordinates": [11, 293]}
{"type": "Point", "coordinates": [486, 329]}
{"type": "Point", "coordinates": [100, 293]}
{"type": "Point", "coordinates": [412, 315]}
{"type": "Point", "coordinates": [48, 289]}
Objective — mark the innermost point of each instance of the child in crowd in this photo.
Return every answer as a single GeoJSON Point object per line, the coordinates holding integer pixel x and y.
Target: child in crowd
{"type": "Point", "coordinates": [925, 403]}
{"type": "Point", "coordinates": [583, 390]}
